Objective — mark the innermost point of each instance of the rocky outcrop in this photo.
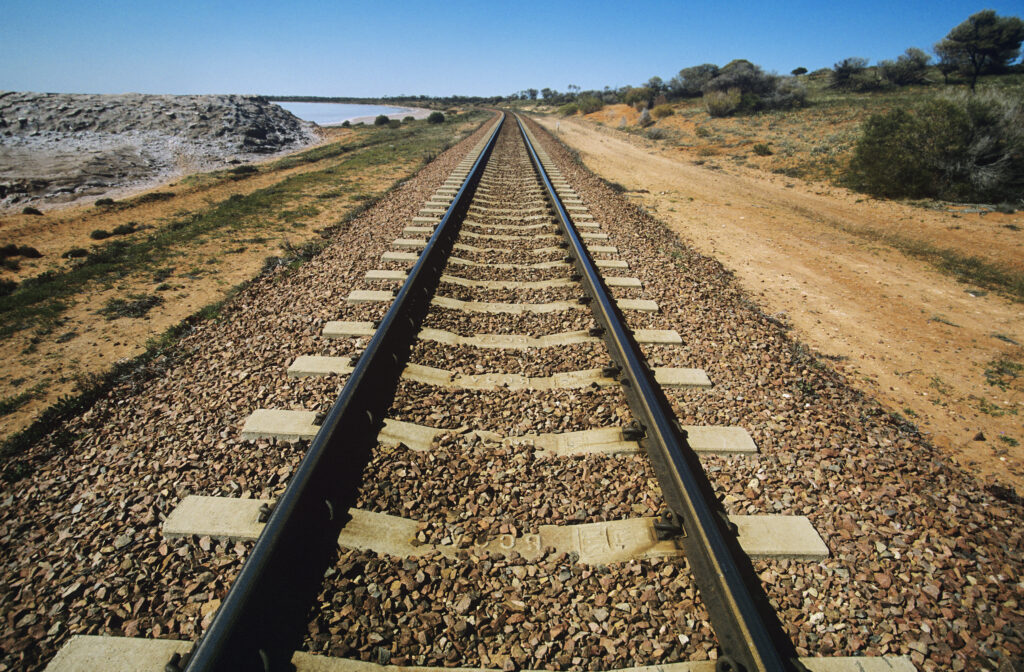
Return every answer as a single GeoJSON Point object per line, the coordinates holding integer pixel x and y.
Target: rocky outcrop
{"type": "Point", "coordinates": [60, 147]}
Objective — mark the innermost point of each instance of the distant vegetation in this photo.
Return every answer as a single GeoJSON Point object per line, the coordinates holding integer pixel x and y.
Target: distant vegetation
{"type": "Point", "coordinates": [939, 139]}
{"type": "Point", "coordinates": [943, 145]}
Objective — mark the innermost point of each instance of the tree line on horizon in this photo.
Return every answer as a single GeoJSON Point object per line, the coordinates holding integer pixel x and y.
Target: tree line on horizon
{"type": "Point", "coordinates": [983, 44]}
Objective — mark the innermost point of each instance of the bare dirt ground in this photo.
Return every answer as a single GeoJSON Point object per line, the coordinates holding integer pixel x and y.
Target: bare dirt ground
{"type": "Point", "coordinates": [927, 346]}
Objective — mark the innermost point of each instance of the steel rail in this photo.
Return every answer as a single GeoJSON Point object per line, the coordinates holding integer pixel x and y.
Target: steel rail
{"type": "Point", "coordinates": [747, 629]}
{"type": "Point", "coordinates": [263, 618]}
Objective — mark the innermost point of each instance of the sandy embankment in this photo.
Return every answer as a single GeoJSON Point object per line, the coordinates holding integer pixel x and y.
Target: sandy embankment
{"type": "Point", "coordinates": [914, 338]}
{"type": "Point", "coordinates": [416, 113]}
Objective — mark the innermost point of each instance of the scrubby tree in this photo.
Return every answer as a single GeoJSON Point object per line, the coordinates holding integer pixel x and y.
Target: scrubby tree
{"type": "Point", "coordinates": [640, 94]}
{"type": "Point", "coordinates": [589, 103]}
{"type": "Point", "coordinates": [909, 68]}
{"type": "Point", "coordinates": [532, 93]}
{"type": "Point", "coordinates": [690, 82]}
{"type": "Point", "coordinates": [799, 71]}
{"type": "Point", "coordinates": [743, 75]}
{"type": "Point", "coordinates": [846, 72]}
{"type": "Point", "coordinates": [656, 85]}
{"type": "Point", "coordinates": [984, 43]}
{"type": "Point", "coordinates": [742, 86]}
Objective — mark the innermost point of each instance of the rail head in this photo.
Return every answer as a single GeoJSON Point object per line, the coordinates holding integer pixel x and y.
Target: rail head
{"type": "Point", "coordinates": [260, 623]}
{"type": "Point", "coordinates": [747, 629]}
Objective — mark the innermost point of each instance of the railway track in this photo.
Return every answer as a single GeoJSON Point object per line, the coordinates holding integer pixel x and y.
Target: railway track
{"type": "Point", "coordinates": [455, 490]}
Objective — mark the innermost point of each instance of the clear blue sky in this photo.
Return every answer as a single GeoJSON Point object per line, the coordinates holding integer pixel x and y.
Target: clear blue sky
{"type": "Point", "coordinates": [374, 48]}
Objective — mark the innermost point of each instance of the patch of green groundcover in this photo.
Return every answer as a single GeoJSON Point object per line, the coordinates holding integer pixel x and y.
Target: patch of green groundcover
{"type": "Point", "coordinates": [42, 299]}
{"type": "Point", "coordinates": [967, 269]}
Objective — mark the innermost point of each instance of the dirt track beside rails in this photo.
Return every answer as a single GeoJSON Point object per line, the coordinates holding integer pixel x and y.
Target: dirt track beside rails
{"type": "Point", "coordinates": [916, 339]}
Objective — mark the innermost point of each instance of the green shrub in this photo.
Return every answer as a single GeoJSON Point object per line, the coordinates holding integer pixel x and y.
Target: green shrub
{"type": "Point", "coordinates": [123, 229]}
{"type": "Point", "coordinates": [29, 252]}
{"type": "Point", "coordinates": [75, 253]}
{"type": "Point", "coordinates": [762, 149]}
{"type": "Point", "coordinates": [244, 171]}
{"type": "Point", "coordinates": [406, 120]}
{"type": "Point", "coordinates": [29, 210]}
{"type": "Point", "coordinates": [656, 134]}
{"type": "Point", "coordinates": [589, 104]}
{"type": "Point", "coordinates": [154, 197]}
{"type": "Point", "coordinates": [346, 124]}
{"type": "Point", "coordinates": [104, 202]}
{"type": "Point", "coordinates": [568, 109]}
{"type": "Point", "coordinates": [638, 95]}
{"type": "Point", "coordinates": [690, 82]}
{"type": "Point", "coordinates": [381, 120]}
{"type": "Point", "coordinates": [722, 103]}
{"type": "Point", "coordinates": [909, 68]}
{"type": "Point", "coordinates": [755, 88]}
{"type": "Point", "coordinates": [99, 234]}
{"type": "Point", "coordinates": [958, 147]}
{"type": "Point", "coordinates": [702, 132]}
{"type": "Point", "coordinates": [853, 74]}
{"type": "Point", "coordinates": [435, 118]}
{"type": "Point", "coordinates": [662, 111]}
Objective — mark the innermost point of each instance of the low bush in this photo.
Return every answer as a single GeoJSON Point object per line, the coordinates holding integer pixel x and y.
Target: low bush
{"type": "Point", "coordinates": [722, 103]}
{"type": "Point", "coordinates": [29, 210]}
{"type": "Point", "coordinates": [244, 171]}
{"type": "Point", "coordinates": [7, 286]}
{"type": "Point", "coordinates": [406, 120]}
{"type": "Point", "coordinates": [99, 234]}
{"type": "Point", "coordinates": [787, 94]}
{"type": "Point", "coordinates": [762, 149]}
{"type": "Point", "coordinates": [589, 104]}
{"type": "Point", "coordinates": [346, 124]}
{"type": "Point", "coordinates": [9, 250]}
{"type": "Point", "coordinates": [690, 82]}
{"type": "Point", "coordinates": [662, 111]}
{"type": "Point", "coordinates": [853, 74]}
{"type": "Point", "coordinates": [75, 253]}
{"type": "Point", "coordinates": [638, 95]}
{"type": "Point", "coordinates": [124, 229]}
{"type": "Point", "coordinates": [154, 197]}
{"type": "Point", "coordinates": [656, 134]}
{"type": "Point", "coordinates": [742, 86]}
{"type": "Point", "coordinates": [10, 263]}
{"type": "Point", "coordinates": [29, 252]}
{"type": "Point", "coordinates": [435, 118]}
{"type": "Point", "coordinates": [102, 202]}
{"type": "Point", "coordinates": [645, 118]}
{"type": "Point", "coordinates": [381, 120]}
{"type": "Point", "coordinates": [568, 109]}
{"type": "Point", "coordinates": [910, 68]}
{"type": "Point", "coordinates": [958, 147]}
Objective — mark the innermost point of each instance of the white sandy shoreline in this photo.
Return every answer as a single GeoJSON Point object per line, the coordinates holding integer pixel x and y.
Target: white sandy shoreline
{"type": "Point", "coordinates": [399, 113]}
